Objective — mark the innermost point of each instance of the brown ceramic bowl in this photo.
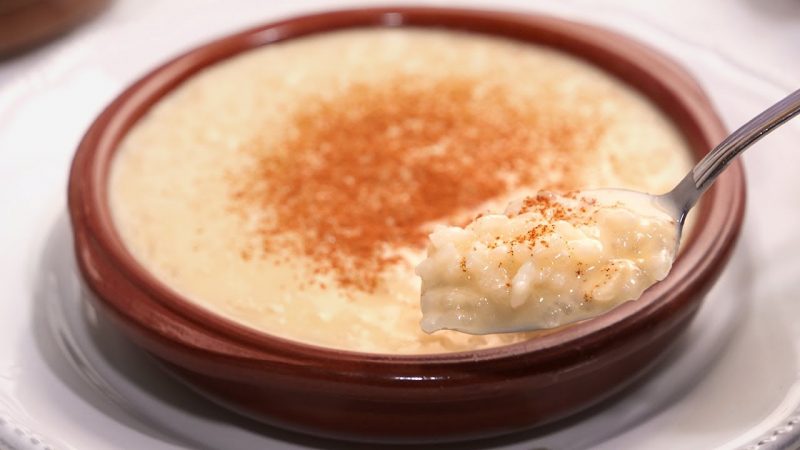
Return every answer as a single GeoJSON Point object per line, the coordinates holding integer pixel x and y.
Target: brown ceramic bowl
{"type": "Point", "coordinates": [390, 398]}
{"type": "Point", "coordinates": [27, 23]}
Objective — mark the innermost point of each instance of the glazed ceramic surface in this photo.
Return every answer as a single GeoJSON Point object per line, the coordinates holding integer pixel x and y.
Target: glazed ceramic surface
{"type": "Point", "coordinates": [26, 23]}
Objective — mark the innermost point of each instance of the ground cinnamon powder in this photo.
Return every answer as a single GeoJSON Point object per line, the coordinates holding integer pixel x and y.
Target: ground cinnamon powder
{"type": "Point", "coordinates": [366, 171]}
{"type": "Point", "coordinates": [551, 210]}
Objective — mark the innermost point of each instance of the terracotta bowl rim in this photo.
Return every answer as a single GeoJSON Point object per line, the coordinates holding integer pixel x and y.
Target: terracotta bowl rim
{"type": "Point", "coordinates": [722, 208]}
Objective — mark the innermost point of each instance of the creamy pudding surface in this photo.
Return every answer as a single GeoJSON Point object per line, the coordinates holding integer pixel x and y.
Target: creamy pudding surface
{"type": "Point", "coordinates": [292, 188]}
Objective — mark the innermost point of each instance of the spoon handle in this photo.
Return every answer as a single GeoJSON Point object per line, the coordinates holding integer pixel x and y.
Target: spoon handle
{"type": "Point", "coordinates": [701, 177]}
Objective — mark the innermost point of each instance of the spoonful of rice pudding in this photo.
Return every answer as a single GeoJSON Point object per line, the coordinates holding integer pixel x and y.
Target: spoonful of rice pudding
{"type": "Point", "coordinates": [552, 259]}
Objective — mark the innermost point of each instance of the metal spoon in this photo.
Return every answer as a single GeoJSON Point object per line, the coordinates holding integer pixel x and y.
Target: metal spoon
{"type": "Point", "coordinates": [680, 200]}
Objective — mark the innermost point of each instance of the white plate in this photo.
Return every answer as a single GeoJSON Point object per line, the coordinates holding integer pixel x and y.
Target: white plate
{"type": "Point", "coordinates": [127, 376]}
{"type": "Point", "coordinates": [66, 381]}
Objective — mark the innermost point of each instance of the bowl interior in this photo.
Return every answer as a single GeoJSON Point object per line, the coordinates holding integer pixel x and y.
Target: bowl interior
{"type": "Point", "coordinates": [665, 83]}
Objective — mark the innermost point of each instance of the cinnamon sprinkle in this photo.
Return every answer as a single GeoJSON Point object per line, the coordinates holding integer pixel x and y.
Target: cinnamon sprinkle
{"type": "Point", "coordinates": [365, 172]}
{"type": "Point", "coordinates": [550, 209]}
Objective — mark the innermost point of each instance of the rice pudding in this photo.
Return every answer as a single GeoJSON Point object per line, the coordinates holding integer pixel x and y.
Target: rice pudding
{"type": "Point", "coordinates": [291, 188]}
{"type": "Point", "coordinates": [547, 261]}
